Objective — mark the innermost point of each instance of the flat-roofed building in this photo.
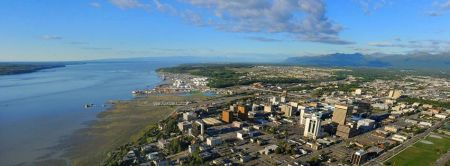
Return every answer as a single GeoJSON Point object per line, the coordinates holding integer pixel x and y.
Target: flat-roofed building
{"type": "Point", "coordinates": [211, 121]}
{"type": "Point", "coordinates": [213, 141]}
{"type": "Point", "coordinates": [268, 108]}
{"type": "Point", "coordinates": [188, 116]}
{"type": "Point", "coordinates": [346, 131]}
{"type": "Point", "coordinates": [198, 128]}
{"type": "Point", "coordinates": [242, 112]}
{"type": "Point", "coordinates": [287, 109]}
{"type": "Point", "coordinates": [312, 126]}
{"type": "Point", "coordinates": [340, 114]}
{"type": "Point", "coordinates": [359, 157]}
{"type": "Point", "coordinates": [184, 126]}
{"type": "Point", "coordinates": [227, 116]}
{"type": "Point", "coordinates": [395, 93]}
{"type": "Point", "coordinates": [365, 125]}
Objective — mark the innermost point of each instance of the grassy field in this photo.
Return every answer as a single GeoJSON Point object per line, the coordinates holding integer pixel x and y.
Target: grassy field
{"type": "Point", "coordinates": [422, 154]}
{"type": "Point", "coordinates": [118, 126]}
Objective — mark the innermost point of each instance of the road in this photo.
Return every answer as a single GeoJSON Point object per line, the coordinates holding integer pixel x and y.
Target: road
{"type": "Point", "coordinates": [394, 151]}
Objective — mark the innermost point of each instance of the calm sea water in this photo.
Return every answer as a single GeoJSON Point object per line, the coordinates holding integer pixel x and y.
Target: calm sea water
{"type": "Point", "coordinates": [39, 109]}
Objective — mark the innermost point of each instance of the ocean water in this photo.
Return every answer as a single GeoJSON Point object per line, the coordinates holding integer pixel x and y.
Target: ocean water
{"type": "Point", "coordinates": [39, 109]}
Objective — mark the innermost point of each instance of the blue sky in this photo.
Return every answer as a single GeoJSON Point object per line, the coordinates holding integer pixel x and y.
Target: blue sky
{"type": "Point", "coordinates": [43, 30]}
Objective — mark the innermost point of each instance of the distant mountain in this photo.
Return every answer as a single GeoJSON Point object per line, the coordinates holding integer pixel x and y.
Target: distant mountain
{"type": "Point", "coordinates": [417, 60]}
{"type": "Point", "coordinates": [201, 59]}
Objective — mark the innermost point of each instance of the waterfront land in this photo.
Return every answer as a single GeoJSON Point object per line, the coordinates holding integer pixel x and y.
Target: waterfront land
{"type": "Point", "coordinates": [118, 126]}
{"type": "Point", "coordinates": [21, 68]}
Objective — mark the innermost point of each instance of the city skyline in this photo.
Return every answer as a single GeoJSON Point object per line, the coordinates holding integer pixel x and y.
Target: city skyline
{"type": "Point", "coordinates": [84, 30]}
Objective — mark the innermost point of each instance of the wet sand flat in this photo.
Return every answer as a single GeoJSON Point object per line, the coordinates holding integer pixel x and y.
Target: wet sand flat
{"type": "Point", "coordinates": [118, 126]}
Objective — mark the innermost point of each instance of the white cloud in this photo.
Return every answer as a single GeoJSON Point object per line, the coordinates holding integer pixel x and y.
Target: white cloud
{"type": "Point", "coordinates": [301, 19]}
{"type": "Point", "coordinates": [262, 39]}
{"type": "Point", "coordinates": [439, 8]}
{"type": "Point", "coordinates": [165, 7]}
{"type": "Point", "coordinates": [369, 6]}
{"type": "Point", "coordinates": [421, 45]}
{"type": "Point", "coordinates": [129, 4]}
{"type": "Point", "coordinates": [51, 37]}
{"type": "Point", "coordinates": [446, 5]}
{"type": "Point", "coordinates": [95, 4]}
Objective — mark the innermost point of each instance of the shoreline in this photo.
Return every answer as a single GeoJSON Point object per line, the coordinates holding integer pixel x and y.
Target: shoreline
{"type": "Point", "coordinates": [104, 133]}
{"type": "Point", "coordinates": [112, 128]}
{"type": "Point", "coordinates": [118, 125]}
{"type": "Point", "coordinates": [8, 69]}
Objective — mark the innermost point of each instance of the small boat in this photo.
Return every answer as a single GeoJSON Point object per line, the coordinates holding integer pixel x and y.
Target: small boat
{"type": "Point", "coordinates": [88, 105]}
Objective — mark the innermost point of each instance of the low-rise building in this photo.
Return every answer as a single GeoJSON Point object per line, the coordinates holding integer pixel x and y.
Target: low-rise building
{"type": "Point", "coordinates": [213, 141]}
{"type": "Point", "coordinates": [425, 124]}
{"type": "Point", "coordinates": [391, 128]}
{"type": "Point", "coordinates": [441, 116]}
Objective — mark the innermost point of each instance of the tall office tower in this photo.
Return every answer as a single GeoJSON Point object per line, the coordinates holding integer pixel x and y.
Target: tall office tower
{"type": "Point", "coordinates": [359, 157]}
{"type": "Point", "coordinates": [268, 108]}
{"type": "Point", "coordinates": [283, 99]}
{"type": "Point", "coordinates": [275, 100]}
{"type": "Point", "coordinates": [312, 126]}
{"type": "Point", "coordinates": [395, 94]}
{"type": "Point", "coordinates": [303, 114]}
{"type": "Point", "coordinates": [346, 131]}
{"type": "Point", "coordinates": [339, 114]}
{"type": "Point", "coordinates": [227, 116]}
{"type": "Point", "coordinates": [287, 109]}
{"type": "Point", "coordinates": [198, 128]}
{"type": "Point", "coordinates": [233, 108]}
{"type": "Point", "coordinates": [243, 112]}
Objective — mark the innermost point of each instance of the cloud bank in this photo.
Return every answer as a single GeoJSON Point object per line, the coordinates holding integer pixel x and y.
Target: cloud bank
{"type": "Point", "coordinates": [303, 20]}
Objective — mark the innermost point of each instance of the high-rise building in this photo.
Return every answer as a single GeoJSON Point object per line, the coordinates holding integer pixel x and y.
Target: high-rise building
{"type": "Point", "coordinates": [227, 116]}
{"type": "Point", "coordinates": [312, 126]}
{"type": "Point", "coordinates": [233, 108]}
{"type": "Point", "coordinates": [255, 107]}
{"type": "Point", "coordinates": [303, 114]}
{"type": "Point", "coordinates": [340, 114]}
{"type": "Point", "coordinates": [395, 93]}
{"type": "Point", "coordinates": [268, 108]}
{"type": "Point", "coordinates": [283, 99]}
{"type": "Point", "coordinates": [243, 112]}
{"type": "Point", "coordinates": [275, 100]}
{"type": "Point", "coordinates": [287, 109]}
{"type": "Point", "coordinates": [346, 131]}
{"type": "Point", "coordinates": [188, 116]}
{"type": "Point", "coordinates": [359, 157]}
{"type": "Point", "coordinates": [361, 107]}
{"type": "Point", "coordinates": [198, 128]}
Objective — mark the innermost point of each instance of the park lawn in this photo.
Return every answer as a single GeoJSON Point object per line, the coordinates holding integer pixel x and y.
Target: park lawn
{"type": "Point", "coordinates": [422, 154]}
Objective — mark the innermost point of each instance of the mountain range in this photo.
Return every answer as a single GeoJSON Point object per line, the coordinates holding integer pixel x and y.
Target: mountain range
{"type": "Point", "coordinates": [406, 61]}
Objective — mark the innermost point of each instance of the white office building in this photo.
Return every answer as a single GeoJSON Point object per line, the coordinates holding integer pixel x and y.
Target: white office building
{"type": "Point", "coordinates": [312, 126]}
